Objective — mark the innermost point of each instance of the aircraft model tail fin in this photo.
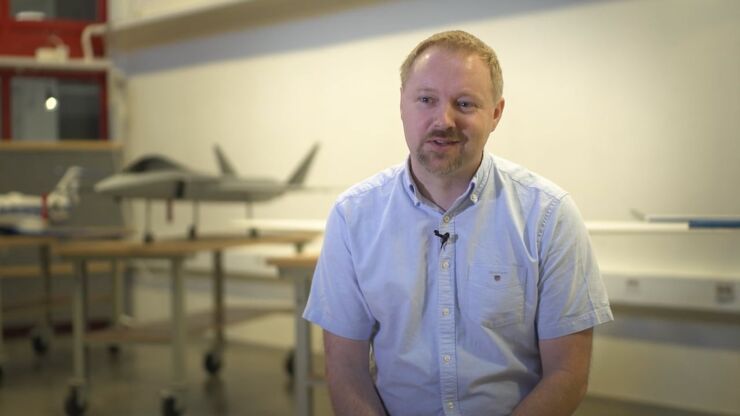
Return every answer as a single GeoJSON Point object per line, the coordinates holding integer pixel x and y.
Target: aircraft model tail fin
{"type": "Point", "coordinates": [69, 185]}
{"type": "Point", "coordinates": [299, 176]}
{"type": "Point", "coordinates": [223, 163]}
{"type": "Point", "coordinates": [64, 195]}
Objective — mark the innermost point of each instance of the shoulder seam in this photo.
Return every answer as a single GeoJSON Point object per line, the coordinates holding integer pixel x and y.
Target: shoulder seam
{"type": "Point", "coordinates": [364, 187]}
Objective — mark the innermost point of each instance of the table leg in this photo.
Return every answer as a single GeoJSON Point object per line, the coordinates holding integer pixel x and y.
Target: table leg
{"type": "Point", "coordinates": [214, 358]}
{"type": "Point", "coordinates": [42, 334]}
{"type": "Point", "coordinates": [303, 365]}
{"type": "Point", "coordinates": [80, 322]}
{"type": "Point", "coordinates": [2, 327]}
{"type": "Point", "coordinates": [77, 399]}
{"type": "Point", "coordinates": [176, 396]}
{"type": "Point", "coordinates": [118, 292]}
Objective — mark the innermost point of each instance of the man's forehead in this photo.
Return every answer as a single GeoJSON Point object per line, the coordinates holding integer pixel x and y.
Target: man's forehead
{"type": "Point", "coordinates": [447, 53]}
{"type": "Point", "coordinates": [433, 59]}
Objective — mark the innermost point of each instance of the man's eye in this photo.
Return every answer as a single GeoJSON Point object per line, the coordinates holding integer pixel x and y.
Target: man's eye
{"type": "Point", "coordinates": [466, 104]}
{"type": "Point", "coordinates": [425, 99]}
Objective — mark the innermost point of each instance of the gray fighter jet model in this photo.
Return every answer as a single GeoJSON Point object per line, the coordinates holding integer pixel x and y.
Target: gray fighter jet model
{"type": "Point", "coordinates": [156, 177]}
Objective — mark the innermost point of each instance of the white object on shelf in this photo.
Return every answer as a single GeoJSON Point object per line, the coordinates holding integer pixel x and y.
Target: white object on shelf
{"type": "Point", "coordinates": [30, 16]}
{"type": "Point", "coordinates": [98, 29]}
{"type": "Point", "coordinates": [59, 53]}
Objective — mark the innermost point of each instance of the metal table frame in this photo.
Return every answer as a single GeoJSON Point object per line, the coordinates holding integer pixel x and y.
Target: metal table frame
{"type": "Point", "coordinates": [300, 269]}
{"type": "Point", "coordinates": [175, 251]}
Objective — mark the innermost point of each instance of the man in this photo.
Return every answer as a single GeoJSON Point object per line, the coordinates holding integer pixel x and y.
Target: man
{"type": "Point", "coordinates": [472, 279]}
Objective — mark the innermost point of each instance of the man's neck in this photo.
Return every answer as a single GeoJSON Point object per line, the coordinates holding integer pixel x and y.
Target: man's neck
{"type": "Point", "coordinates": [442, 190]}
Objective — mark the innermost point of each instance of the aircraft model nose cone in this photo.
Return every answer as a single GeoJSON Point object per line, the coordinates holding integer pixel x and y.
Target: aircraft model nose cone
{"type": "Point", "coordinates": [103, 186]}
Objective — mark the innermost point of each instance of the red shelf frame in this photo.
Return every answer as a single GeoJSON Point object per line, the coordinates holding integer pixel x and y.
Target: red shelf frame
{"type": "Point", "coordinates": [22, 38]}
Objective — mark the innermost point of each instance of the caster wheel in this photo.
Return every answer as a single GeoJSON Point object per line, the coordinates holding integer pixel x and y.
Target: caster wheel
{"type": "Point", "coordinates": [169, 407]}
{"type": "Point", "coordinates": [114, 350]}
{"type": "Point", "coordinates": [212, 363]}
{"type": "Point", "coordinates": [290, 363]}
{"type": "Point", "coordinates": [40, 345]}
{"type": "Point", "coordinates": [73, 404]}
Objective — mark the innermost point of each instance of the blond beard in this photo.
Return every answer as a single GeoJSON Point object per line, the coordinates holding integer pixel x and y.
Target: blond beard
{"type": "Point", "coordinates": [427, 159]}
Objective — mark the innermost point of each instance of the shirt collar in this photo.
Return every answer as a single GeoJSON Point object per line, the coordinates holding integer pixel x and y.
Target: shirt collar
{"type": "Point", "coordinates": [409, 185]}
{"type": "Point", "coordinates": [480, 179]}
{"type": "Point", "coordinates": [477, 183]}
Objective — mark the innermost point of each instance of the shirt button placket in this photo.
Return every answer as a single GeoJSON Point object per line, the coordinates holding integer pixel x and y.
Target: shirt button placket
{"type": "Point", "coordinates": [446, 273]}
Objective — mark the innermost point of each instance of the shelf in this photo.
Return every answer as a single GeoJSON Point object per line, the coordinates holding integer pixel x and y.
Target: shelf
{"type": "Point", "coordinates": [154, 18]}
{"type": "Point", "coordinates": [57, 270]}
{"type": "Point", "coordinates": [206, 18]}
{"type": "Point", "coordinates": [58, 145]}
{"type": "Point", "coordinates": [161, 331]}
{"type": "Point", "coordinates": [709, 292]}
{"type": "Point", "coordinates": [641, 227]}
{"type": "Point", "coordinates": [71, 65]}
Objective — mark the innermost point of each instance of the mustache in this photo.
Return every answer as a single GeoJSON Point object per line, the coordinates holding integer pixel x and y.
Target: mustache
{"type": "Point", "coordinates": [450, 133]}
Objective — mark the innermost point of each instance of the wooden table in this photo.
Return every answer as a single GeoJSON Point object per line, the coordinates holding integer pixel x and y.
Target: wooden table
{"type": "Point", "coordinates": [174, 251]}
{"type": "Point", "coordinates": [300, 270]}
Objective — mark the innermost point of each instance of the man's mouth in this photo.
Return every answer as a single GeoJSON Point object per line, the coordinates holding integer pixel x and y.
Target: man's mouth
{"type": "Point", "coordinates": [444, 138]}
{"type": "Point", "coordinates": [444, 142]}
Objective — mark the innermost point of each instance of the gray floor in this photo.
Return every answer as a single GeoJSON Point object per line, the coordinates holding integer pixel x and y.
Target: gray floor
{"type": "Point", "coordinates": [252, 382]}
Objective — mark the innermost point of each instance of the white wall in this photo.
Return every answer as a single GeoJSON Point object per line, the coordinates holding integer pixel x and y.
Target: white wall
{"type": "Point", "coordinates": [627, 104]}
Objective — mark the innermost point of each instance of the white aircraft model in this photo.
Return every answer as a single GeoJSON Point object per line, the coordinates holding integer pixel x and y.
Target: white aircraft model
{"type": "Point", "coordinates": [32, 214]}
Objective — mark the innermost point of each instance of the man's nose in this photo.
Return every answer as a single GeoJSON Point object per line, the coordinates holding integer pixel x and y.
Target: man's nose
{"type": "Point", "coordinates": [445, 117]}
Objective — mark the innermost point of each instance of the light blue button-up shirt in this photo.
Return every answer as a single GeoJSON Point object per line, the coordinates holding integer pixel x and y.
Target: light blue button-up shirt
{"type": "Point", "coordinates": [455, 326]}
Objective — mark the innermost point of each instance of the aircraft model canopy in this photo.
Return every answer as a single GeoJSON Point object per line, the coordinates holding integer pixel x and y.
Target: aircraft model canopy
{"type": "Point", "coordinates": [152, 164]}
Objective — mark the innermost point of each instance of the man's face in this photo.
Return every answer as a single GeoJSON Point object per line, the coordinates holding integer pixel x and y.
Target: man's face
{"type": "Point", "coordinates": [448, 112]}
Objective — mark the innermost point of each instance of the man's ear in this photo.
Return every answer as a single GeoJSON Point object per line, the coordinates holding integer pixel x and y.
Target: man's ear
{"type": "Point", "coordinates": [498, 111]}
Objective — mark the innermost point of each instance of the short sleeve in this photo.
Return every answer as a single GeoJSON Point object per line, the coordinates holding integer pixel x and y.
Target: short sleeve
{"type": "Point", "coordinates": [336, 302]}
{"type": "Point", "coordinates": [572, 296]}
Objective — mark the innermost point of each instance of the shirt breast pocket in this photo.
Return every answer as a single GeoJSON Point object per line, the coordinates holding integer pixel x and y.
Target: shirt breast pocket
{"type": "Point", "coordinates": [495, 295]}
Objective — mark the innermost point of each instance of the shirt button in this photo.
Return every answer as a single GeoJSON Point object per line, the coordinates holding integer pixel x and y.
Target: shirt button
{"type": "Point", "coordinates": [445, 311]}
{"type": "Point", "coordinates": [446, 358]}
{"type": "Point", "coordinates": [445, 265]}
{"type": "Point", "coordinates": [450, 405]}
{"type": "Point", "coordinates": [446, 219]}
{"type": "Point", "coordinates": [474, 198]}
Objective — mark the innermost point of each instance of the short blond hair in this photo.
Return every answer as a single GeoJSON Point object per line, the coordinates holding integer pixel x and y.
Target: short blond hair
{"type": "Point", "coordinates": [458, 40]}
